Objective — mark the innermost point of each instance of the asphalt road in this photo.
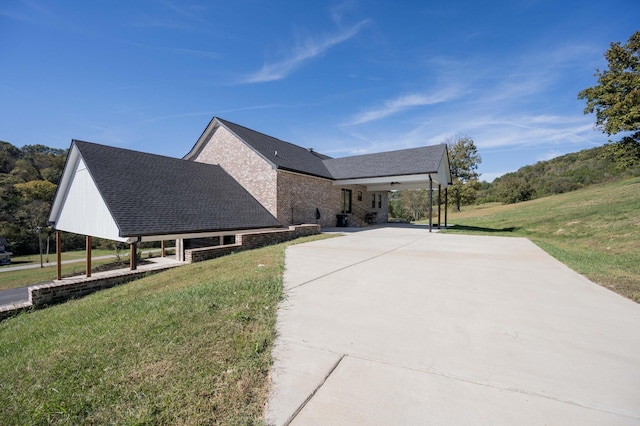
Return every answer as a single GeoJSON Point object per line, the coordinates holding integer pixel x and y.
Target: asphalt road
{"type": "Point", "coordinates": [14, 295]}
{"type": "Point", "coordinates": [21, 294]}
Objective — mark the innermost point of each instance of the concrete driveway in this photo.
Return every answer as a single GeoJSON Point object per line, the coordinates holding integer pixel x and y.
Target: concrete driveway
{"type": "Point", "coordinates": [399, 326]}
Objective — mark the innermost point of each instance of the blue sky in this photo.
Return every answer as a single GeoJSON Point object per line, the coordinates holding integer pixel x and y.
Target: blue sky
{"type": "Point", "coordinates": [343, 77]}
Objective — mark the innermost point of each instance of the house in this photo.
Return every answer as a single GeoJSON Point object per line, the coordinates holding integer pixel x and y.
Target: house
{"type": "Point", "coordinates": [5, 254]}
{"type": "Point", "coordinates": [300, 185]}
{"type": "Point", "coordinates": [132, 197]}
{"type": "Point", "coordinates": [234, 179]}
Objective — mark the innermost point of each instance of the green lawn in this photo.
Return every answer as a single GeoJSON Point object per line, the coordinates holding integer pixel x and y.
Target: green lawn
{"type": "Point", "coordinates": [25, 277]}
{"type": "Point", "coordinates": [188, 346]}
{"type": "Point", "coordinates": [34, 259]}
{"type": "Point", "coordinates": [595, 231]}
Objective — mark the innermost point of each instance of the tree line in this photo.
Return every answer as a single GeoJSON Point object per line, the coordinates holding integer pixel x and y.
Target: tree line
{"type": "Point", "coordinates": [29, 177]}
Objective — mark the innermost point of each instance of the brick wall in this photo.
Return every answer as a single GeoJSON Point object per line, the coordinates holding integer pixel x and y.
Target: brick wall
{"type": "Point", "coordinates": [70, 288]}
{"type": "Point", "coordinates": [56, 292]}
{"type": "Point", "coordinates": [299, 196]}
{"type": "Point", "coordinates": [291, 197]}
{"type": "Point", "coordinates": [251, 240]}
{"type": "Point", "coordinates": [252, 171]}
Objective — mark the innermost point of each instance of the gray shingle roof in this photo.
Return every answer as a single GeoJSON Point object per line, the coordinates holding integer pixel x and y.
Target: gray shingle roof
{"type": "Point", "coordinates": [150, 194]}
{"type": "Point", "coordinates": [289, 156]}
{"type": "Point", "coordinates": [411, 161]}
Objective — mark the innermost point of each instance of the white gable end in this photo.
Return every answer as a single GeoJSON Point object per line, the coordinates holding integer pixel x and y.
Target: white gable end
{"type": "Point", "coordinates": [84, 211]}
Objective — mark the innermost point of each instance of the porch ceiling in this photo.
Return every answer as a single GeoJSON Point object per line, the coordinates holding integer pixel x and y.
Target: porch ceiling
{"type": "Point", "coordinates": [393, 183]}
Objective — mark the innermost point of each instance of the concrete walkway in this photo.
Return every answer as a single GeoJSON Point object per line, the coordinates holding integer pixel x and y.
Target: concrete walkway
{"type": "Point", "coordinates": [399, 326]}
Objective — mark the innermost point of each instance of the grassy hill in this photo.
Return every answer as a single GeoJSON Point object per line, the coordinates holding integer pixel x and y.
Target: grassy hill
{"type": "Point", "coordinates": [558, 175]}
{"type": "Point", "coordinates": [594, 230]}
{"type": "Point", "coordinates": [189, 346]}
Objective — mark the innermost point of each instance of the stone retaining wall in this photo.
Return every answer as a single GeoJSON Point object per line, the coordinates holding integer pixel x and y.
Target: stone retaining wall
{"type": "Point", "coordinates": [71, 288]}
{"type": "Point", "coordinates": [251, 240]}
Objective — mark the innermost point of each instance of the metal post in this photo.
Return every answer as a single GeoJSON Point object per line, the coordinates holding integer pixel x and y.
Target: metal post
{"type": "Point", "coordinates": [439, 205]}
{"type": "Point", "coordinates": [430, 203]}
{"type": "Point", "coordinates": [48, 238]}
{"type": "Point", "coordinates": [446, 205]}
{"type": "Point", "coordinates": [39, 229]}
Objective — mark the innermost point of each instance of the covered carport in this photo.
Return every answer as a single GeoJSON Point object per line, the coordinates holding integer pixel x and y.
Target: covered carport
{"type": "Point", "coordinates": [415, 168]}
{"type": "Point", "coordinates": [133, 197]}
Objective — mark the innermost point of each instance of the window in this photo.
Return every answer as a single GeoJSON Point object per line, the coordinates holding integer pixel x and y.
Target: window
{"type": "Point", "coordinates": [379, 201]}
{"type": "Point", "coordinates": [359, 195]}
{"type": "Point", "coordinates": [373, 201]}
{"type": "Point", "coordinates": [346, 201]}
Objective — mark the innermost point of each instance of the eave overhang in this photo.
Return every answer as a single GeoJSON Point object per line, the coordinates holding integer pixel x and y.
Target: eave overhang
{"type": "Point", "coordinates": [394, 183]}
{"type": "Point", "coordinates": [188, 235]}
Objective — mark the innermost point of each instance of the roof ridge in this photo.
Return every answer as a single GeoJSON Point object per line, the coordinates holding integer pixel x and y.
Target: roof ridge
{"type": "Point", "coordinates": [282, 154]}
{"type": "Point", "coordinates": [387, 152]}
{"type": "Point", "coordinates": [76, 141]}
{"type": "Point", "coordinates": [225, 122]}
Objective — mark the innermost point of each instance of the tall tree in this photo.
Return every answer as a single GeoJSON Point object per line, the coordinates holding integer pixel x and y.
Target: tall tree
{"type": "Point", "coordinates": [463, 160]}
{"type": "Point", "coordinates": [616, 99]}
{"type": "Point", "coordinates": [9, 154]}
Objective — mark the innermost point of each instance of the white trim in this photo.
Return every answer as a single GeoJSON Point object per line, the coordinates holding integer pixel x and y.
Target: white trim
{"type": "Point", "coordinates": [389, 183]}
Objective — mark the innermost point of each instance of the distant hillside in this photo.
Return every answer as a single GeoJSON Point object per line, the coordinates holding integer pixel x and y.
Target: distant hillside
{"type": "Point", "coordinates": [556, 176]}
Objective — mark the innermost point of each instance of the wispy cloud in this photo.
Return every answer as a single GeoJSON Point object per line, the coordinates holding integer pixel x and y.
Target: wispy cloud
{"type": "Point", "coordinates": [172, 15]}
{"type": "Point", "coordinates": [190, 12]}
{"type": "Point", "coordinates": [405, 102]}
{"type": "Point", "coordinates": [311, 48]}
{"type": "Point", "coordinates": [338, 11]}
{"type": "Point", "coordinates": [531, 130]}
{"type": "Point", "coordinates": [32, 12]}
{"type": "Point", "coordinates": [192, 52]}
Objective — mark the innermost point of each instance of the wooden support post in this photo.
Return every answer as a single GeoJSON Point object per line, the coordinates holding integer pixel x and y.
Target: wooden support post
{"type": "Point", "coordinates": [430, 203]}
{"type": "Point", "coordinates": [162, 248]}
{"type": "Point", "coordinates": [88, 242]}
{"type": "Point", "coordinates": [439, 205]}
{"type": "Point", "coordinates": [133, 260]}
{"type": "Point", "coordinates": [59, 254]}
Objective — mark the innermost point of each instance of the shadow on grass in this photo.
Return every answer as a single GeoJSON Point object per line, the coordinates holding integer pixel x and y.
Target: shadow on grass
{"type": "Point", "coordinates": [467, 228]}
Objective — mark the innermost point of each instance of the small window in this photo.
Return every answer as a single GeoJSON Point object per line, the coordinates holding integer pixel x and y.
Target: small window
{"type": "Point", "coordinates": [373, 201]}
{"type": "Point", "coordinates": [346, 201]}
{"type": "Point", "coordinates": [359, 195]}
{"type": "Point", "coordinates": [379, 201]}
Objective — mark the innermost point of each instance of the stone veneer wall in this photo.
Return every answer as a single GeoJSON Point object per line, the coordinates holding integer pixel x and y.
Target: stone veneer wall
{"type": "Point", "coordinates": [246, 166]}
{"type": "Point", "coordinates": [56, 292]}
{"type": "Point", "coordinates": [251, 240]}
